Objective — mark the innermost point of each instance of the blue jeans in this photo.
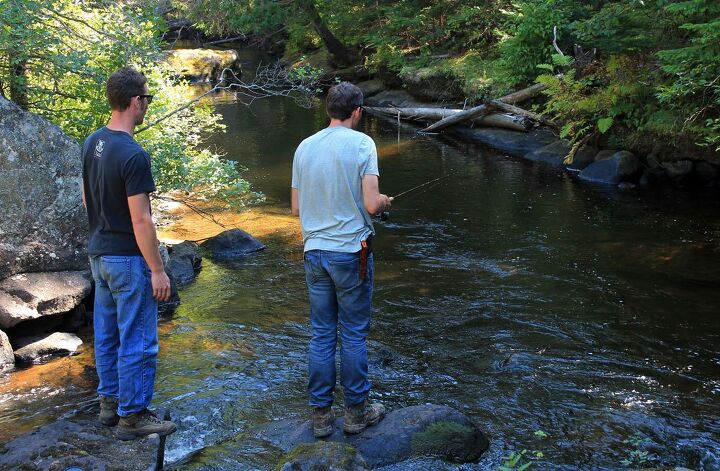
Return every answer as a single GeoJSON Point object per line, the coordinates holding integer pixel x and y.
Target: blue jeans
{"type": "Point", "coordinates": [338, 297]}
{"type": "Point", "coordinates": [125, 323]}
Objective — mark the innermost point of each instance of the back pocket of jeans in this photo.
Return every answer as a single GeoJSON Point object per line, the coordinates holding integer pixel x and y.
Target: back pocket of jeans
{"type": "Point", "coordinates": [345, 273]}
{"type": "Point", "coordinates": [116, 271]}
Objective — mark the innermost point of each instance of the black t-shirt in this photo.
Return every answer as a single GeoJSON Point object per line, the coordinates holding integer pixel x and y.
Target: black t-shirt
{"type": "Point", "coordinates": [114, 168]}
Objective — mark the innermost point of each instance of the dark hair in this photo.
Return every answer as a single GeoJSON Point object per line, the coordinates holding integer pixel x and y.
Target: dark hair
{"type": "Point", "coordinates": [122, 86]}
{"type": "Point", "coordinates": [342, 99]}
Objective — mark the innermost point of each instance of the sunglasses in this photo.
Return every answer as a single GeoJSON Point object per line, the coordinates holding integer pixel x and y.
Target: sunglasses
{"type": "Point", "coordinates": [149, 98]}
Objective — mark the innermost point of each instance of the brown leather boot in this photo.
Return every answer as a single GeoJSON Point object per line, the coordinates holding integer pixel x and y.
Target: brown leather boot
{"type": "Point", "coordinates": [108, 411]}
{"type": "Point", "coordinates": [362, 415]}
{"type": "Point", "coordinates": [143, 423]}
{"type": "Point", "coordinates": [323, 420]}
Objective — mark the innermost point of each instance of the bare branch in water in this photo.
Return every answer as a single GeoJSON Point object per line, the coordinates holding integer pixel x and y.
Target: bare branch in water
{"type": "Point", "coordinates": [271, 80]}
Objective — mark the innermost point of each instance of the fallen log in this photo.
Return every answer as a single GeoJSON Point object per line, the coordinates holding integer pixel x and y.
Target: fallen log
{"type": "Point", "coordinates": [523, 112]}
{"type": "Point", "coordinates": [498, 120]}
{"type": "Point", "coordinates": [483, 109]}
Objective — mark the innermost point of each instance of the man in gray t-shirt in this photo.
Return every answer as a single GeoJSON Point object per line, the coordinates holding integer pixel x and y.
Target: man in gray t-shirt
{"type": "Point", "coordinates": [335, 191]}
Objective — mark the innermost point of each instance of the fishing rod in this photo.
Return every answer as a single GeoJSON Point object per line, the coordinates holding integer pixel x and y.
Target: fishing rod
{"type": "Point", "coordinates": [386, 214]}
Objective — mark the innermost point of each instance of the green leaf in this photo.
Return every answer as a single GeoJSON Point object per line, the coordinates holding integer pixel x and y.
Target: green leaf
{"type": "Point", "coordinates": [604, 124]}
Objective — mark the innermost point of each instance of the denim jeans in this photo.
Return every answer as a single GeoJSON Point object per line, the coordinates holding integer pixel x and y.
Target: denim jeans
{"type": "Point", "coordinates": [338, 297]}
{"type": "Point", "coordinates": [125, 323]}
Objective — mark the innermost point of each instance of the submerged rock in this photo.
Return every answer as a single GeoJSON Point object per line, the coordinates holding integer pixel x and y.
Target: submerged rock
{"type": "Point", "coordinates": [412, 431]}
{"type": "Point", "coordinates": [322, 456]}
{"type": "Point", "coordinates": [7, 359]}
{"type": "Point", "coordinates": [43, 226]}
{"type": "Point", "coordinates": [231, 244]}
{"type": "Point", "coordinates": [36, 348]}
{"type": "Point", "coordinates": [84, 443]}
{"type": "Point", "coordinates": [612, 170]}
{"type": "Point", "coordinates": [202, 65]}
{"type": "Point", "coordinates": [29, 296]}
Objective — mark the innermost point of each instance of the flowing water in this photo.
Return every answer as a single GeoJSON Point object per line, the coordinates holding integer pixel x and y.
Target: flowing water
{"type": "Point", "coordinates": [510, 292]}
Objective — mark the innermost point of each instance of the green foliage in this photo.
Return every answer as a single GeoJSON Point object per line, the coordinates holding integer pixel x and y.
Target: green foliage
{"type": "Point", "coordinates": [524, 459]}
{"type": "Point", "coordinates": [69, 48]}
{"type": "Point", "coordinates": [637, 457]}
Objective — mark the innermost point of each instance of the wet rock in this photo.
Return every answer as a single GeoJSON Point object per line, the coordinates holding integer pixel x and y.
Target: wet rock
{"type": "Point", "coordinates": [554, 154]}
{"type": "Point", "coordinates": [7, 359]}
{"type": "Point", "coordinates": [43, 226]}
{"type": "Point", "coordinates": [184, 262]}
{"type": "Point", "coordinates": [32, 295]}
{"type": "Point", "coordinates": [652, 176]}
{"type": "Point", "coordinates": [514, 143]}
{"type": "Point", "coordinates": [653, 161]}
{"type": "Point", "coordinates": [678, 169]}
{"type": "Point", "coordinates": [621, 166]}
{"type": "Point", "coordinates": [202, 65]}
{"type": "Point", "coordinates": [412, 431]}
{"type": "Point", "coordinates": [371, 88]}
{"type": "Point", "coordinates": [605, 154]}
{"type": "Point", "coordinates": [167, 308]}
{"type": "Point", "coordinates": [81, 442]}
{"type": "Point", "coordinates": [321, 456]}
{"type": "Point", "coordinates": [36, 348]}
{"type": "Point", "coordinates": [231, 244]}
{"type": "Point", "coordinates": [624, 186]}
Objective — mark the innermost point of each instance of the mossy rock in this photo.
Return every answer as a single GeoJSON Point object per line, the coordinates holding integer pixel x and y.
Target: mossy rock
{"type": "Point", "coordinates": [202, 65]}
{"type": "Point", "coordinates": [323, 456]}
{"type": "Point", "coordinates": [447, 440]}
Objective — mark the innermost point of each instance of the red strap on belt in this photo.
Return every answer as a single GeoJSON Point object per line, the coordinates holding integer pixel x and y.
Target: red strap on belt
{"type": "Point", "coordinates": [363, 258]}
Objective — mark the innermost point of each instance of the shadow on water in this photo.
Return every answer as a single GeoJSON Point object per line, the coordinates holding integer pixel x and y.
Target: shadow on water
{"type": "Point", "coordinates": [510, 292]}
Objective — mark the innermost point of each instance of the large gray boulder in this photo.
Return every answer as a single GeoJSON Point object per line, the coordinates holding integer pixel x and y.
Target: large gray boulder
{"type": "Point", "coordinates": [39, 347]}
{"type": "Point", "coordinates": [425, 430]}
{"type": "Point", "coordinates": [621, 166]}
{"type": "Point", "coordinates": [371, 87]}
{"type": "Point", "coordinates": [514, 143]}
{"type": "Point", "coordinates": [7, 359]}
{"type": "Point", "coordinates": [231, 244]}
{"type": "Point", "coordinates": [29, 296]}
{"type": "Point", "coordinates": [43, 226]}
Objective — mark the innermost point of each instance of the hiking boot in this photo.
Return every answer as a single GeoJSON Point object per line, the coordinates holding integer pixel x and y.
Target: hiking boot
{"type": "Point", "coordinates": [362, 415]}
{"type": "Point", "coordinates": [323, 420]}
{"type": "Point", "coordinates": [143, 423]}
{"type": "Point", "coordinates": [108, 411]}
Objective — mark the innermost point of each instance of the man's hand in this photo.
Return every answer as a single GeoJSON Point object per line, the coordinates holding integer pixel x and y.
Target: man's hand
{"type": "Point", "coordinates": [160, 285]}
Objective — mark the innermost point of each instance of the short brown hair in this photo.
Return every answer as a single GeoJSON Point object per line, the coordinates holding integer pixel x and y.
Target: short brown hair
{"type": "Point", "coordinates": [122, 86]}
{"type": "Point", "coordinates": [342, 99]}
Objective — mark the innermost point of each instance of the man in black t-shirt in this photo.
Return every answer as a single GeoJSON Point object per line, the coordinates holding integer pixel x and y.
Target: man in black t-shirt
{"type": "Point", "coordinates": [129, 274]}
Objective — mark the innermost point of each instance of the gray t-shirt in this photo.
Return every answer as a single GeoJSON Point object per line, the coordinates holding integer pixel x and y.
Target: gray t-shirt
{"type": "Point", "coordinates": [327, 172]}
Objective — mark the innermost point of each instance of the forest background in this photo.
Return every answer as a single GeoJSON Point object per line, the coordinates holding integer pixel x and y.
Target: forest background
{"type": "Point", "coordinates": [648, 79]}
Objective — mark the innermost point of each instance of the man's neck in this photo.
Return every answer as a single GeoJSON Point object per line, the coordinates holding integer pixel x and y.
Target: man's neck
{"type": "Point", "coordinates": [120, 121]}
{"type": "Point", "coordinates": [334, 123]}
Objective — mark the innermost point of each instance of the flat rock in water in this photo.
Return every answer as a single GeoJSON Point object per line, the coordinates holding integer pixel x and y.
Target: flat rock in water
{"type": "Point", "coordinates": [33, 349]}
{"type": "Point", "coordinates": [514, 143]}
{"type": "Point", "coordinates": [28, 296]}
{"type": "Point", "coordinates": [231, 244]}
{"type": "Point", "coordinates": [80, 442]}
{"type": "Point", "coordinates": [412, 431]}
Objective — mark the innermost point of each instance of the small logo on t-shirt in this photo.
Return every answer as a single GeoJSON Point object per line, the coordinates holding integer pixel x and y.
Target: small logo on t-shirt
{"type": "Point", "coordinates": [99, 148]}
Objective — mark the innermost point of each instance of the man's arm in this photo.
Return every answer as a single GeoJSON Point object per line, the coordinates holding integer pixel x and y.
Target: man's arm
{"type": "Point", "coordinates": [294, 205]}
{"type": "Point", "coordinates": [144, 229]}
{"type": "Point", "coordinates": [374, 201]}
